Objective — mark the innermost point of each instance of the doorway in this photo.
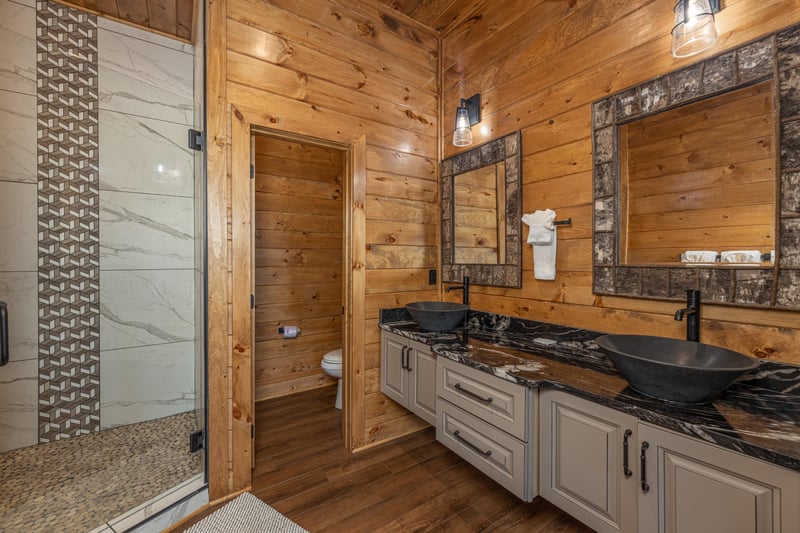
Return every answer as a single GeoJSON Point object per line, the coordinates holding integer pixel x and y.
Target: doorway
{"type": "Point", "coordinates": [298, 251]}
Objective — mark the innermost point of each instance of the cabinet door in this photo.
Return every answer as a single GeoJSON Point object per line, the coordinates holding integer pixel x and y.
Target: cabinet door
{"type": "Point", "coordinates": [582, 457]}
{"type": "Point", "coordinates": [394, 378]}
{"type": "Point", "coordinates": [422, 397]}
{"type": "Point", "coordinates": [696, 487]}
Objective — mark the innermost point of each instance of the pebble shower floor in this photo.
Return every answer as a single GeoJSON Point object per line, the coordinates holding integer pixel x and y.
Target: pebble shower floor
{"type": "Point", "coordinates": [78, 484]}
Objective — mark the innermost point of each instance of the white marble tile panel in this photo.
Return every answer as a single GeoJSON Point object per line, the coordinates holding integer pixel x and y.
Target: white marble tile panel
{"type": "Point", "coordinates": [17, 48]}
{"type": "Point", "coordinates": [142, 35]}
{"type": "Point", "coordinates": [20, 291]}
{"type": "Point", "coordinates": [144, 79]}
{"type": "Point", "coordinates": [145, 231]}
{"type": "Point", "coordinates": [18, 404]}
{"type": "Point", "coordinates": [166, 509]}
{"type": "Point", "coordinates": [18, 227]}
{"type": "Point", "coordinates": [139, 154]}
{"type": "Point", "coordinates": [143, 307]}
{"type": "Point", "coordinates": [145, 383]}
{"type": "Point", "coordinates": [17, 136]}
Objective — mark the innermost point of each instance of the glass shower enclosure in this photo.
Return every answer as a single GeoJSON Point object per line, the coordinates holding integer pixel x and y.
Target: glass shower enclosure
{"type": "Point", "coordinates": [101, 269]}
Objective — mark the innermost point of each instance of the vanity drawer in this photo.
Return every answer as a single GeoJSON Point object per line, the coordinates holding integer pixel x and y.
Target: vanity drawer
{"type": "Point", "coordinates": [499, 402]}
{"type": "Point", "coordinates": [495, 453]}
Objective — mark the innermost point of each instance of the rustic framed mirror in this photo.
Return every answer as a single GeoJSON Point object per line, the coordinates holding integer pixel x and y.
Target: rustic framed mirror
{"type": "Point", "coordinates": [706, 158]}
{"type": "Point", "coordinates": [481, 214]}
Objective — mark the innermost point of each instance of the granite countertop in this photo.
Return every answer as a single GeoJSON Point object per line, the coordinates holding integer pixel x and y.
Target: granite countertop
{"type": "Point", "coordinates": [759, 415]}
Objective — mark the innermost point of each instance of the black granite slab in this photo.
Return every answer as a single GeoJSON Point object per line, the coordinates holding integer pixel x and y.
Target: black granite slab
{"type": "Point", "coordinates": [759, 415]}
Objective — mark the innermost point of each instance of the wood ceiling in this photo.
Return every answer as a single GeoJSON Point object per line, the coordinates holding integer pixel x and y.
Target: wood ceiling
{"type": "Point", "coordinates": [168, 17]}
{"type": "Point", "coordinates": [175, 18]}
{"type": "Point", "coordinates": [437, 14]}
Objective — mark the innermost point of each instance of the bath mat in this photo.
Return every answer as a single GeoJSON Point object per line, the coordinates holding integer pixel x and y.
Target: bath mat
{"type": "Point", "coordinates": [245, 514]}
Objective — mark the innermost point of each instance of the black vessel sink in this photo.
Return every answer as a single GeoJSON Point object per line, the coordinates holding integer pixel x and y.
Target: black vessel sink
{"type": "Point", "coordinates": [437, 316]}
{"type": "Point", "coordinates": [674, 369]}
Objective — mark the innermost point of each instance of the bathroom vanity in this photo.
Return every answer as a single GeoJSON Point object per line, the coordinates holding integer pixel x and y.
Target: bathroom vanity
{"type": "Point", "coordinates": [542, 411]}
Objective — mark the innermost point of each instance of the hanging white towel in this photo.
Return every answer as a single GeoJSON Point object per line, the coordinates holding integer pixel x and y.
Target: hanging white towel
{"type": "Point", "coordinates": [542, 236]}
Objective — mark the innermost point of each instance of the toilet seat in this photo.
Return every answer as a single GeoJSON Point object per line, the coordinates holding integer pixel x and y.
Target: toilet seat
{"type": "Point", "coordinates": [334, 357]}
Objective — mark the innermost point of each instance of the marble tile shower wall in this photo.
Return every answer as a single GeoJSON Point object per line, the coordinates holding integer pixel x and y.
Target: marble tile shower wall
{"type": "Point", "coordinates": [147, 252]}
{"type": "Point", "coordinates": [146, 248]}
{"type": "Point", "coordinates": [18, 220]}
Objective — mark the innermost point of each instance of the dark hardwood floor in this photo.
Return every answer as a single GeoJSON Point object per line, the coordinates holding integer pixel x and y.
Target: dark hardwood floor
{"type": "Point", "coordinates": [413, 484]}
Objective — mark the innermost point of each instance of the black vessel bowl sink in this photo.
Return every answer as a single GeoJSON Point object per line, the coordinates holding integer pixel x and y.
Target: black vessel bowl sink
{"type": "Point", "coordinates": [437, 316]}
{"type": "Point", "coordinates": [674, 369]}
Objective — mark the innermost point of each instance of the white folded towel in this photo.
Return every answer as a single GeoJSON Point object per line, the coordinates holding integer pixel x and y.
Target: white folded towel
{"type": "Point", "coordinates": [542, 236]}
{"type": "Point", "coordinates": [741, 256]}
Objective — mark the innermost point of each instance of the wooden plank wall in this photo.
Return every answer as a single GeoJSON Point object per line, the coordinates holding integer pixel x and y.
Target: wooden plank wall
{"type": "Point", "coordinates": [539, 66]}
{"type": "Point", "coordinates": [298, 263]}
{"type": "Point", "coordinates": [678, 162]}
{"type": "Point", "coordinates": [355, 73]}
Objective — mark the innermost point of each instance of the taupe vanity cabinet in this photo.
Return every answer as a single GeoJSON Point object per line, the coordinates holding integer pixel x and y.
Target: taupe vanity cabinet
{"type": "Point", "coordinates": [489, 422]}
{"type": "Point", "coordinates": [408, 375]}
{"type": "Point", "coordinates": [586, 458]}
{"type": "Point", "coordinates": [696, 487]}
{"type": "Point", "coordinates": [672, 483]}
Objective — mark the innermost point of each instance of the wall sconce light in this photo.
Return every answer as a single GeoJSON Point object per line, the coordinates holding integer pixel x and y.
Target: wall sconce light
{"type": "Point", "coordinates": [694, 29]}
{"type": "Point", "coordinates": [467, 115]}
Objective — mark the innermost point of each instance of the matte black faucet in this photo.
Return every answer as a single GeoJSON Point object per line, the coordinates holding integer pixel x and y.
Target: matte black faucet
{"type": "Point", "coordinates": [464, 287]}
{"type": "Point", "coordinates": [692, 314]}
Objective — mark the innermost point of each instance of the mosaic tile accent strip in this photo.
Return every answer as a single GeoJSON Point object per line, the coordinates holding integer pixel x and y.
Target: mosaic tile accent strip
{"type": "Point", "coordinates": [68, 222]}
{"type": "Point", "coordinates": [80, 483]}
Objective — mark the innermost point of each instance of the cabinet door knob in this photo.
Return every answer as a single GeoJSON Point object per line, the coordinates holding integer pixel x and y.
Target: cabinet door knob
{"type": "Point", "coordinates": [625, 469]}
{"type": "Point", "coordinates": [645, 486]}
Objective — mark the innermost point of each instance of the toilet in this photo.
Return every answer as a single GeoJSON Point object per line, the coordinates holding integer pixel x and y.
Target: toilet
{"type": "Point", "coordinates": [332, 365]}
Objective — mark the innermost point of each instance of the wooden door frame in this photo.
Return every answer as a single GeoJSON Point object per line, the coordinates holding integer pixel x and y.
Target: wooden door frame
{"type": "Point", "coordinates": [354, 282]}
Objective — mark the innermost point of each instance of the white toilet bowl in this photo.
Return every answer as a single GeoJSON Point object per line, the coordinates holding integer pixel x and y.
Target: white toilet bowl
{"type": "Point", "coordinates": [332, 365]}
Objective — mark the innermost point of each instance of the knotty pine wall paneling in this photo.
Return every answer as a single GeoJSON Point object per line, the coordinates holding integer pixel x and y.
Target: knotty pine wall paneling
{"type": "Point", "coordinates": [539, 73]}
{"type": "Point", "coordinates": [356, 75]}
{"type": "Point", "coordinates": [298, 263]}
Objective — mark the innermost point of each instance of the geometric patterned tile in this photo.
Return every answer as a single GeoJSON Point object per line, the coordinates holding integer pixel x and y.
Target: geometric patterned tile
{"type": "Point", "coordinates": [68, 222]}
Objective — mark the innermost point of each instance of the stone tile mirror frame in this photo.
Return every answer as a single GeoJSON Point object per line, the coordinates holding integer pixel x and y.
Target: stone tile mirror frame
{"type": "Point", "coordinates": [776, 57]}
{"type": "Point", "coordinates": [509, 272]}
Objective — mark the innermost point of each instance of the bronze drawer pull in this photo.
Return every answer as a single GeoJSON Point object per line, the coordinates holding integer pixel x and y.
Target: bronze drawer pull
{"type": "Point", "coordinates": [458, 436]}
{"type": "Point", "coordinates": [478, 397]}
{"type": "Point", "coordinates": [625, 469]}
{"type": "Point", "coordinates": [645, 486]}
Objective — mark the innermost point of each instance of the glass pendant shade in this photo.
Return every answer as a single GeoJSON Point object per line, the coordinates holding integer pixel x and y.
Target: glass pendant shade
{"type": "Point", "coordinates": [462, 135]}
{"type": "Point", "coordinates": [694, 29]}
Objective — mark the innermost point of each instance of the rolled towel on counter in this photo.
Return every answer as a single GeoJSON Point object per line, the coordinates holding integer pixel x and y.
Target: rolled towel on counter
{"type": "Point", "coordinates": [699, 256]}
{"type": "Point", "coordinates": [542, 236]}
{"type": "Point", "coordinates": [741, 256]}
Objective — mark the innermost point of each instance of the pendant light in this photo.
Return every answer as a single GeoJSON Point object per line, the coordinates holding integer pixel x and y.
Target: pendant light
{"type": "Point", "coordinates": [694, 29]}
